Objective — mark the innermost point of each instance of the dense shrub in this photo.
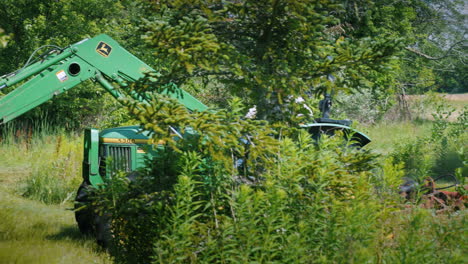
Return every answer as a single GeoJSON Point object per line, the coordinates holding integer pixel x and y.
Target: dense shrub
{"type": "Point", "coordinates": [242, 191]}
{"type": "Point", "coordinates": [189, 209]}
{"type": "Point", "coordinates": [238, 192]}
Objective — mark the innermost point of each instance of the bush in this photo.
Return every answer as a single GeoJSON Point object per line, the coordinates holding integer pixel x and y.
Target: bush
{"type": "Point", "coordinates": [366, 107]}
{"type": "Point", "coordinates": [244, 191]}
{"type": "Point", "coordinates": [237, 194]}
{"type": "Point", "coordinates": [285, 214]}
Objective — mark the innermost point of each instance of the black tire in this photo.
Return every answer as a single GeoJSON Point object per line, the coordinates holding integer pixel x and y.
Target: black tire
{"type": "Point", "coordinates": [89, 222]}
{"type": "Point", "coordinates": [103, 231]}
{"type": "Point", "coordinates": [85, 216]}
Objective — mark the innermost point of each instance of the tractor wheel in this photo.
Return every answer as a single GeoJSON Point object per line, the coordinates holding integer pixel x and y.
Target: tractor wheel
{"type": "Point", "coordinates": [85, 216]}
{"type": "Point", "coordinates": [89, 222]}
{"type": "Point", "coordinates": [103, 232]}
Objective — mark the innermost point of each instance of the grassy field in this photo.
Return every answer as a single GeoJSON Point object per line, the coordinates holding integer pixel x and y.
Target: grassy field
{"type": "Point", "coordinates": [385, 136]}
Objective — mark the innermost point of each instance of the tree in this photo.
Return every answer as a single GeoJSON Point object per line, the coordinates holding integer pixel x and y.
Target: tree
{"type": "Point", "coordinates": [267, 52]}
{"type": "Point", "coordinates": [433, 32]}
{"type": "Point", "coordinates": [436, 57]}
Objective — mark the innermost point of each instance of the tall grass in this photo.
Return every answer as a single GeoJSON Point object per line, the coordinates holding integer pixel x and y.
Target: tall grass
{"type": "Point", "coordinates": [48, 159]}
{"type": "Point", "coordinates": [42, 163]}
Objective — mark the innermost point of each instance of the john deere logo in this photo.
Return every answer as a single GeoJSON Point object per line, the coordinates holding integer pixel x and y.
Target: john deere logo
{"type": "Point", "coordinates": [103, 49]}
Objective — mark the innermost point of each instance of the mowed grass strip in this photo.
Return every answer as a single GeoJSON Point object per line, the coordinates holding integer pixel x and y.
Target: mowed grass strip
{"type": "Point", "coordinates": [32, 232]}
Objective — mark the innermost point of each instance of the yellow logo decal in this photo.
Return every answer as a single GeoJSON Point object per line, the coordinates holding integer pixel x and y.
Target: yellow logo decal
{"type": "Point", "coordinates": [103, 49]}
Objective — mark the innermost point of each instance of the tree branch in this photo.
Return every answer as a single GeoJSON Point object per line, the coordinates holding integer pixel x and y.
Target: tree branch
{"type": "Point", "coordinates": [447, 53]}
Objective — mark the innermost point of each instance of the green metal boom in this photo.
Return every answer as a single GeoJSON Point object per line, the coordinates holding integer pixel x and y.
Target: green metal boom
{"type": "Point", "coordinates": [100, 58]}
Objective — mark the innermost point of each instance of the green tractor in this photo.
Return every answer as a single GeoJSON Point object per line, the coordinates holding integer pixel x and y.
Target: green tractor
{"type": "Point", "coordinates": [102, 59]}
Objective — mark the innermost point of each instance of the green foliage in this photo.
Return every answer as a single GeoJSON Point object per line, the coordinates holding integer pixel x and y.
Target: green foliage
{"type": "Point", "coordinates": [3, 38]}
{"type": "Point", "coordinates": [432, 31]}
{"type": "Point", "coordinates": [36, 23]}
{"type": "Point", "coordinates": [266, 52]}
{"type": "Point", "coordinates": [416, 236]}
{"type": "Point", "coordinates": [309, 201]}
{"type": "Point", "coordinates": [436, 54]}
{"type": "Point", "coordinates": [235, 190]}
{"type": "Point", "coordinates": [292, 213]}
{"type": "Point", "coordinates": [230, 192]}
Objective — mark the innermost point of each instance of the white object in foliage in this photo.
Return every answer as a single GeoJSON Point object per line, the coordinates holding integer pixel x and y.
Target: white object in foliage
{"type": "Point", "coordinates": [252, 112]}
{"type": "Point", "coordinates": [300, 100]}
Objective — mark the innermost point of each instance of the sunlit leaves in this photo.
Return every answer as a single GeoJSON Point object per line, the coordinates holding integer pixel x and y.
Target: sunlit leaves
{"type": "Point", "coordinates": [266, 52]}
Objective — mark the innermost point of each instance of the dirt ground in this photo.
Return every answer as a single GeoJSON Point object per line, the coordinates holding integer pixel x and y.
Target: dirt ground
{"type": "Point", "coordinates": [457, 97]}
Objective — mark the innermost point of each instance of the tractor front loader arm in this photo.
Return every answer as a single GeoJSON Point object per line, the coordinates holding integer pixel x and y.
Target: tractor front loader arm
{"type": "Point", "coordinates": [50, 82]}
{"type": "Point", "coordinates": [100, 58]}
